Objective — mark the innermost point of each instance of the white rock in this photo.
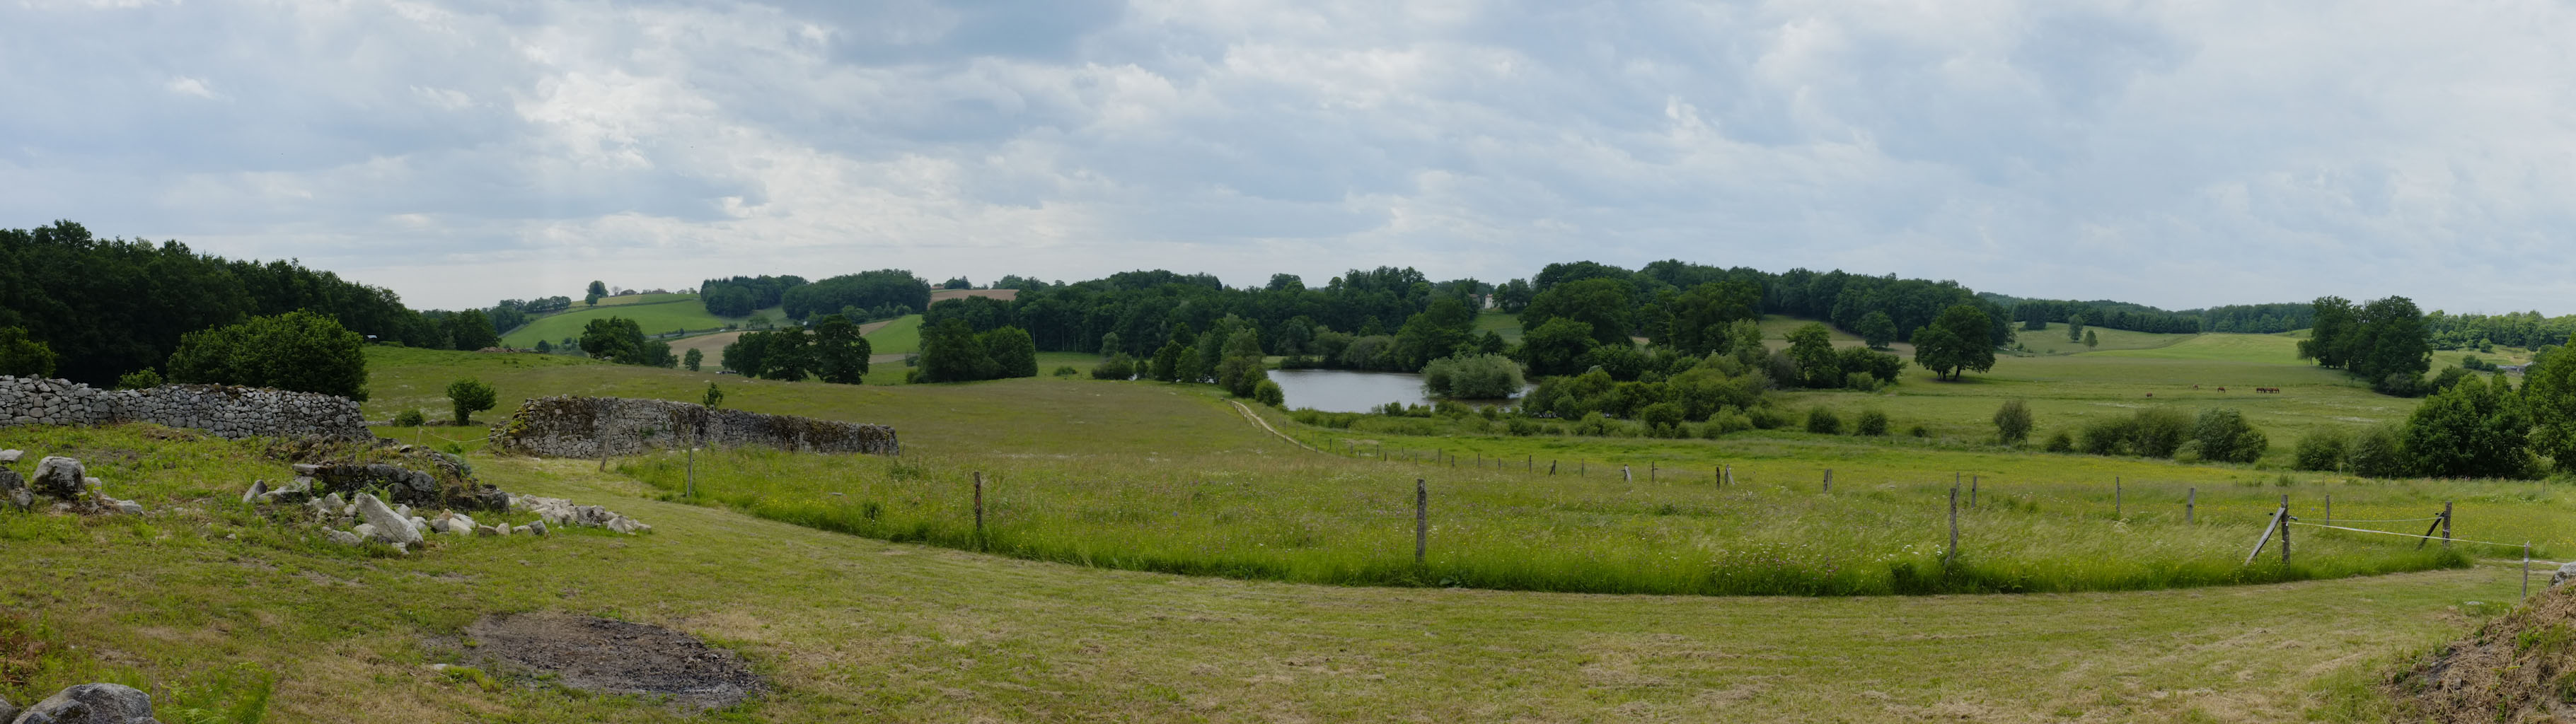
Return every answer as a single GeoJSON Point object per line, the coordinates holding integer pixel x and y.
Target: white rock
{"type": "Point", "coordinates": [258, 489]}
{"type": "Point", "coordinates": [343, 537]}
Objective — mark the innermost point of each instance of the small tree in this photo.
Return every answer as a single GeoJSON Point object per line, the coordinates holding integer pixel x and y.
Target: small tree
{"type": "Point", "coordinates": [693, 359]}
{"type": "Point", "coordinates": [142, 379]}
{"type": "Point", "coordinates": [1822, 421]}
{"type": "Point", "coordinates": [2012, 422]}
{"type": "Point", "coordinates": [714, 399]}
{"type": "Point", "coordinates": [1872, 423]}
{"type": "Point", "coordinates": [2224, 436]}
{"type": "Point", "coordinates": [1268, 393]}
{"type": "Point", "coordinates": [2075, 328]}
{"type": "Point", "coordinates": [1876, 329]}
{"type": "Point", "coordinates": [24, 357]}
{"type": "Point", "coordinates": [300, 350]}
{"type": "Point", "coordinates": [2090, 340]}
{"type": "Point", "coordinates": [469, 396]}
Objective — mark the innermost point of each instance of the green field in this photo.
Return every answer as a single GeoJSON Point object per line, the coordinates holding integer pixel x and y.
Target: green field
{"type": "Point", "coordinates": [1494, 320]}
{"type": "Point", "coordinates": [901, 336]}
{"type": "Point", "coordinates": [212, 608]}
{"type": "Point", "coordinates": [655, 317]}
{"type": "Point", "coordinates": [216, 609]}
{"type": "Point", "coordinates": [2053, 340]}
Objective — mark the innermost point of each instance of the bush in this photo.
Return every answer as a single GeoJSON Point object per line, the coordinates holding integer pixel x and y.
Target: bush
{"type": "Point", "coordinates": [1763, 418]}
{"type": "Point", "coordinates": [1872, 423]}
{"type": "Point", "coordinates": [142, 379]}
{"type": "Point", "coordinates": [2061, 442]}
{"type": "Point", "coordinates": [2321, 451]}
{"type": "Point", "coordinates": [1267, 392]}
{"type": "Point", "coordinates": [2223, 435]}
{"type": "Point", "coordinates": [410, 418]}
{"type": "Point", "coordinates": [2377, 453]}
{"type": "Point", "coordinates": [1726, 422]}
{"type": "Point", "coordinates": [1064, 371]}
{"type": "Point", "coordinates": [470, 396]}
{"type": "Point", "coordinates": [1822, 421]}
{"type": "Point", "coordinates": [1598, 425]}
{"type": "Point", "coordinates": [300, 350]}
{"type": "Point", "coordinates": [1521, 426]}
{"type": "Point", "coordinates": [21, 356]}
{"type": "Point", "coordinates": [1474, 377]}
{"type": "Point", "coordinates": [2160, 432]}
{"type": "Point", "coordinates": [1660, 415]}
{"type": "Point", "coordinates": [2108, 436]}
{"type": "Point", "coordinates": [1918, 431]}
{"type": "Point", "coordinates": [1118, 367]}
{"type": "Point", "coordinates": [2012, 422]}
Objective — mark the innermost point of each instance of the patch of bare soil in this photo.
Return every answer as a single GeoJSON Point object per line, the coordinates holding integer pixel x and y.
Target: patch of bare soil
{"type": "Point", "coordinates": [2519, 667]}
{"type": "Point", "coordinates": [614, 657]}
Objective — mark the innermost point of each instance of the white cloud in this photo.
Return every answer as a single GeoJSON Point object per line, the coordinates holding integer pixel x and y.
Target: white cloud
{"type": "Point", "coordinates": [2177, 154]}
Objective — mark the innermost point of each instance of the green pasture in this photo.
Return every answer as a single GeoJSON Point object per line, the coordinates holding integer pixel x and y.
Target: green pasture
{"type": "Point", "coordinates": [900, 336]}
{"type": "Point", "coordinates": [625, 299]}
{"type": "Point", "coordinates": [653, 317]}
{"type": "Point", "coordinates": [225, 613]}
{"type": "Point", "coordinates": [1500, 323]}
{"type": "Point", "coordinates": [2053, 340]}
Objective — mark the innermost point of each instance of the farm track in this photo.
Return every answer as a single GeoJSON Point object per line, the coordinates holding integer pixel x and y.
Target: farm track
{"type": "Point", "coordinates": [1265, 425]}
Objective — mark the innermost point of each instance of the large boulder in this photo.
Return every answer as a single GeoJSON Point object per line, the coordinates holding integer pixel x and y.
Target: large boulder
{"type": "Point", "coordinates": [2565, 573]}
{"type": "Point", "coordinates": [14, 491]}
{"type": "Point", "coordinates": [8, 711]}
{"type": "Point", "coordinates": [92, 704]}
{"type": "Point", "coordinates": [390, 527]}
{"type": "Point", "coordinates": [60, 477]}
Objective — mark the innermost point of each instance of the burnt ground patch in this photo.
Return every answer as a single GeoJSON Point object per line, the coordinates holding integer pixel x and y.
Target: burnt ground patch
{"type": "Point", "coordinates": [609, 656]}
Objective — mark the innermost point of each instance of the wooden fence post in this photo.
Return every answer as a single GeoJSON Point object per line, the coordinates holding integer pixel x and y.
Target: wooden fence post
{"type": "Point", "coordinates": [1829, 480]}
{"type": "Point", "coordinates": [1972, 491]}
{"type": "Point", "coordinates": [2329, 509]}
{"type": "Point", "coordinates": [2285, 529]}
{"type": "Point", "coordinates": [2526, 570]}
{"type": "Point", "coordinates": [690, 489]}
{"type": "Point", "coordinates": [1529, 464]}
{"type": "Point", "coordinates": [2266, 538]}
{"type": "Point", "coordinates": [2115, 497]}
{"type": "Point", "coordinates": [979, 510]}
{"type": "Point", "coordinates": [1650, 472]}
{"type": "Point", "coordinates": [2446, 524]}
{"type": "Point", "coordinates": [1952, 557]}
{"type": "Point", "coordinates": [1421, 520]}
{"type": "Point", "coordinates": [2190, 497]}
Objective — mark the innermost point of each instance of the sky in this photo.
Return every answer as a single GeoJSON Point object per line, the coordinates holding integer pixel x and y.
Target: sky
{"type": "Point", "coordinates": [2178, 154]}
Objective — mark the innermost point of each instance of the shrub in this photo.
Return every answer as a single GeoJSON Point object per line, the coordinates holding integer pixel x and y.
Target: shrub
{"type": "Point", "coordinates": [1763, 418]}
{"type": "Point", "coordinates": [2377, 453]}
{"type": "Point", "coordinates": [2061, 442]}
{"type": "Point", "coordinates": [2160, 432]}
{"type": "Point", "coordinates": [1064, 371]}
{"type": "Point", "coordinates": [2012, 422]}
{"type": "Point", "coordinates": [300, 350]}
{"type": "Point", "coordinates": [470, 396]}
{"type": "Point", "coordinates": [1822, 421]}
{"type": "Point", "coordinates": [142, 379]}
{"type": "Point", "coordinates": [1521, 426]}
{"type": "Point", "coordinates": [2223, 435]}
{"type": "Point", "coordinates": [1597, 425]}
{"type": "Point", "coordinates": [1267, 392]}
{"type": "Point", "coordinates": [1726, 422]}
{"type": "Point", "coordinates": [1872, 423]}
{"type": "Point", "coordinates": [410, 418]}
{"type": "Point", "coordinates": [21, 356]}
{"type": "Point", "coordinates": [1475, 377]}
{"type": "Point", "coordinates": [1918, 431]}
{"type": "Point", "coordinates": [2322, 450]}
{"type": "Point", "coordinates": [1660, 415]}
{"type": "Point", "coordinates": [2107, 436]}
{"type": "Point", "coordinates": [1119, 367]}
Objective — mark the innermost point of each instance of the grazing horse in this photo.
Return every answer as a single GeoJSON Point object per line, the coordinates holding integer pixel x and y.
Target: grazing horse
{"type": "Point", "coordinates": [2222, 389]}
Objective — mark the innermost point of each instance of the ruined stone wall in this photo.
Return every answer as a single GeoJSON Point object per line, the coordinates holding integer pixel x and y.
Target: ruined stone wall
{"type": "Point", "coordinates": [226, 411]}
{"type": "Point", "coordinates": [573, 427]}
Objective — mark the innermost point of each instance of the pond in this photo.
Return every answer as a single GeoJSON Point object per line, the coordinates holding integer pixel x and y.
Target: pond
{"type": "Point", "coordinates": [1348, 390]}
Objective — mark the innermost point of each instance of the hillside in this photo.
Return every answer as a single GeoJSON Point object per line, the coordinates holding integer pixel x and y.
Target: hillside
{"type": "Point", "coordinates": [656, 314]}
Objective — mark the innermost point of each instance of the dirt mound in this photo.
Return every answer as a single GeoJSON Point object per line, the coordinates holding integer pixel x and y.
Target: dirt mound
{"type": "Point", "coordinates": [614, 657]}
{"type": "Point", "coordinates": [2519, 667]}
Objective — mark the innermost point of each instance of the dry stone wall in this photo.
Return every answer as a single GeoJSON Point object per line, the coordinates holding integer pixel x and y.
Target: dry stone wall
{"type": "Point", "coordinates": [226, 411]}
{"type": "Point", "coordinates": [575, 427]}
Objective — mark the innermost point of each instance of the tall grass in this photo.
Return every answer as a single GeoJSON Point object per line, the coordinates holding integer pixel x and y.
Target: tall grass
{"type": "Point", "coordinates": [1319, 519]}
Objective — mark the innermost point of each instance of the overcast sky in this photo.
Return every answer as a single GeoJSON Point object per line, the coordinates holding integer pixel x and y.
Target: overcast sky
{"type": "Point", "coordinates": [2178, 154]}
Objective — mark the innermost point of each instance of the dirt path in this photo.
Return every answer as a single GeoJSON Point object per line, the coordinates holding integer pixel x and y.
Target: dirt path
{"type": "Point", "coordinates": [1265, 425]}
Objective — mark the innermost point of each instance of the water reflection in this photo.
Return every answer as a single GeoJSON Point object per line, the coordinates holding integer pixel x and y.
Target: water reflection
{"type": "Point", "coordinates": [1347, 390]}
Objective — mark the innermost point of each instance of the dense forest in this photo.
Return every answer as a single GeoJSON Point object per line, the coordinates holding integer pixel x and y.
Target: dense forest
{"type": "Point", "coordinates": [107, 307]}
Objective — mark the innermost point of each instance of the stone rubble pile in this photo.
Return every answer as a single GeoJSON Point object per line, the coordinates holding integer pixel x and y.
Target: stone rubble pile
{"type": "Point", "coordinates": [563, 512]}
{"type": "Point", "coordinates": [85, 704]}
{"type": "Point", "coordinates": [577, 427]}
{"type": "Point", "coordinates": [62, 479]}
{"type": "Point", "coordinates": [227, 411]}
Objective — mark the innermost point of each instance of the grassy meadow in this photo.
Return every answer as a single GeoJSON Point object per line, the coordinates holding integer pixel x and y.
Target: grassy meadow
{"type": "Point", "coordinates": [224, 614]}
{"type": "Point", "coordinates": [900, 336]}
{"type": "Point", "coordinates": [683, 311]}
